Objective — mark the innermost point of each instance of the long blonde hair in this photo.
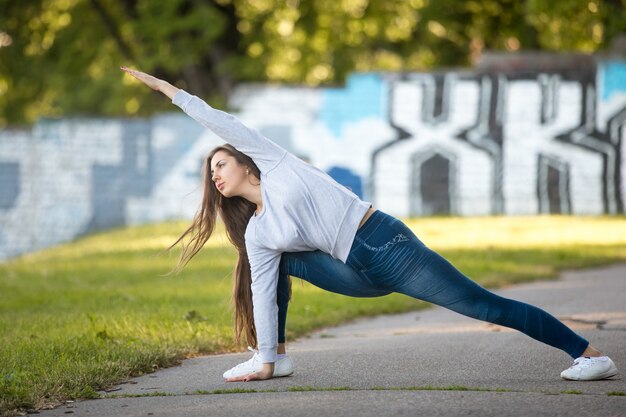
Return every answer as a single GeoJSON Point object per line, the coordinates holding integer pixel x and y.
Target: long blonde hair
{"type": "Point", "coordinates": [235, 212]}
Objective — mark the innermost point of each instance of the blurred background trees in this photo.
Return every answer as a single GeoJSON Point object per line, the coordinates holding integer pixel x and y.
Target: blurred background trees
{"type": "Point", "coordinates": [61, 57]}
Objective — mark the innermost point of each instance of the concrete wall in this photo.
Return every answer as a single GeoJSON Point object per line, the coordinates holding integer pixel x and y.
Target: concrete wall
{"type": "Point", "coordinates": [511, 139]}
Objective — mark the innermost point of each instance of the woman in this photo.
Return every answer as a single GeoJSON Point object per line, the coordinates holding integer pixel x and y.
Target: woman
{"type": "Point", "coordinates": [286, 217]}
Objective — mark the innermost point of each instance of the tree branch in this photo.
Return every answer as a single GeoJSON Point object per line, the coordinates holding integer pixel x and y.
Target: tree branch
{"type": "Point", "coordinates": [112, 28]}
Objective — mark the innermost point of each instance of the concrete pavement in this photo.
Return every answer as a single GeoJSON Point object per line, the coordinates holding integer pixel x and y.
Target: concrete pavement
{"type": "Point", "coordinates": [431, 362]}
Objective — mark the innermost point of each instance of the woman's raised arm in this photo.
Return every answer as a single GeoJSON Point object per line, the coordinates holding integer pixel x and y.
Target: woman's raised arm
{"type": "Point", "coordinates": [152, 82]}
{"type": "Point", "coordinates": [265, 153]}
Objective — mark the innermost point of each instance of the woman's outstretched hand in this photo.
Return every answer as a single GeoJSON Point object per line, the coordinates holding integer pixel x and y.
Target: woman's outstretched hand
{"type": "Point", "coordinates": [266, 373]}
{"type": "Point", "coordinates": [152, 82]}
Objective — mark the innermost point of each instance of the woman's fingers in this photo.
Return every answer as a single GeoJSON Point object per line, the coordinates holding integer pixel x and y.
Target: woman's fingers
{"type": "Point", "coordinates": [236, 379]}
{"type": "Point", "coordinates": [134, 73]}
{"type": "Point", "coordinates": [128, 70]}
{"type": "Point", "coordinates": [251, 377]}
{"type": "Point", "coordinates": [147, 79]}
{"type": "Point", "coordinates": [244, 378]}
{"type": "Point", "coordinates": [137, 74]}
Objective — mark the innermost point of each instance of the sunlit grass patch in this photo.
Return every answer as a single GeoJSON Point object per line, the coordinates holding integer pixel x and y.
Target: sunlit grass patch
{"type": "Point", "coordinates": [519, 232]}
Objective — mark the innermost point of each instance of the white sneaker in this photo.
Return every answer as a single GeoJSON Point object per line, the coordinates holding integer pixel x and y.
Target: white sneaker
{"type": "Point", "coordinates": [590, 369]}
{"type": "Point", "coordinates": [282, 367]}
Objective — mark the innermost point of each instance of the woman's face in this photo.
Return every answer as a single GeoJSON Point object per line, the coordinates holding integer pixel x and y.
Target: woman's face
{"type": "Point", "coordinates": [229, 177]}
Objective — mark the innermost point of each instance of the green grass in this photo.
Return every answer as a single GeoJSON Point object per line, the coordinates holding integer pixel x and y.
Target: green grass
{"type": "Point", "coordinates": [448, 388]}
{"type": "Point", "coordinates": [79, 317]}
{"type": "Point", "coordinates": [572, 391]}
{"type": "Point", "coordinates": [233, 391]}
{"type": "Point", "coordinates": [310, 388]}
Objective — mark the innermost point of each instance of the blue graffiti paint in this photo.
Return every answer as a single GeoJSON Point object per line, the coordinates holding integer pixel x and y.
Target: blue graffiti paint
{"type": "Point", "coordinates": [10, 180]}
{"type": "Point", "coordinates": [279, 134]}
{"type": "Point", "coordinates": [613, 75]}
{"type": "Point", "coordinates": [364, 96]}
{"type": "Point", "coordinates": [112, 185]}
{"type": "Point", "coordinates": [164, 158]}
{"type": "Point", "coordinates": [348, 179]}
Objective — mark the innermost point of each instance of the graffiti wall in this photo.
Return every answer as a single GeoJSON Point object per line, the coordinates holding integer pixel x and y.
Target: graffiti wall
{"type": "Point", "coordinates": [510, 142]}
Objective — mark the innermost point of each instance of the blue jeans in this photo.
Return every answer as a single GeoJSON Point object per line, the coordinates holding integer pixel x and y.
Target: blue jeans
{"type": "Point", "coordinates": [387, 257]}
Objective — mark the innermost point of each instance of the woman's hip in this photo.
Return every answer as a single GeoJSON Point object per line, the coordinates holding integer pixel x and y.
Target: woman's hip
{"type": "Point", "coordinates": [385, 245]}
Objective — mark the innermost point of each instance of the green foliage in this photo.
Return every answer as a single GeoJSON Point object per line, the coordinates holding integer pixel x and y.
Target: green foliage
{"type": "Point", "coordinates": [61, 57]}
{"type": "Point", "coordinates": [576, 25]}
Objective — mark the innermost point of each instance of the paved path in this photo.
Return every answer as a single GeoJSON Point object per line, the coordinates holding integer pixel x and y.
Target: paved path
{"type": "Point", "coordinates": [431, 362]}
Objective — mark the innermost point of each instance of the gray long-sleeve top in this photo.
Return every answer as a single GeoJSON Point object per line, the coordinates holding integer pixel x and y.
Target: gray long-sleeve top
{"type": "Point", "coordinates": [304, 209]}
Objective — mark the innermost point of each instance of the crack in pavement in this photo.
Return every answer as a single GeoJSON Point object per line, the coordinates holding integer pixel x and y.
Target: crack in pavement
{"type": "Point", "coordinates": [599, 324]}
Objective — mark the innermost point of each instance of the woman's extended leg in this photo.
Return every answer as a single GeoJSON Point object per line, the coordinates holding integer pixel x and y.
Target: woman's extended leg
{"type": "Point", "coordinates": [321, 270]}
{"type": "Point", "coordinates": [439, 282]}
{"type": "Point", "coordinates": [393, 258]}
